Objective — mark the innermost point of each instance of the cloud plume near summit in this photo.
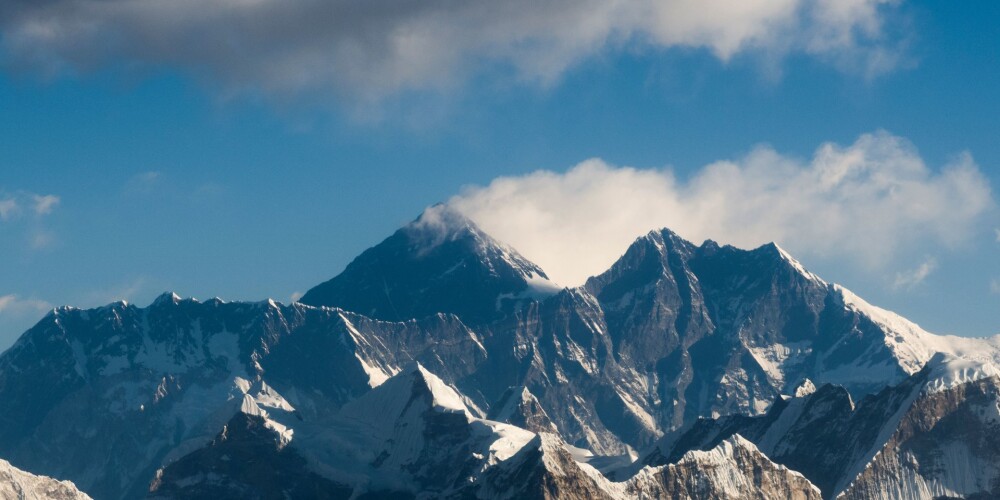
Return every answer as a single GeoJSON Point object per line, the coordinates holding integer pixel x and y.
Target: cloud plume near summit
{"type": "Point", "coordinates": [865, 203]}
{"type": "Point", "coordinates": [369, 49]}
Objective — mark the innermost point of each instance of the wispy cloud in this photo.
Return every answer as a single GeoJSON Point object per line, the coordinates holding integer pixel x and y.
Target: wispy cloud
{"type": "Point", "coordinates": [8, 208]}
{"type": "Point", "coordinates": [12, 304]}
{"type": "Point", "coordinates": [907, 280]}
{"type": "Point", "coordinates": [373, 48]}
{"type": "Point", "coordinates": [995, 285]}
{"type": "Point", "coordinates": [127, 291]}
{"type": "Point", "coordinates": [14, 205]}
{"type": "Point", "coordinates": [44, 204]}
{"type": "Point", "coordinates": [42, 239]}
{"type": "Point", "coordinates": [18, 313]}
{"type": "Point", "coordinates": [863, 203]}
{"type": "Point", "coordinates": [27, 211]}
{"type": "Point", "coordinates": [143, 182]}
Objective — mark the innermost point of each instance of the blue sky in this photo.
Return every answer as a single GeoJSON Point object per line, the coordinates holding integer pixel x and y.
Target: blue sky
{"type": "Point", "coordinates": [247, 173]}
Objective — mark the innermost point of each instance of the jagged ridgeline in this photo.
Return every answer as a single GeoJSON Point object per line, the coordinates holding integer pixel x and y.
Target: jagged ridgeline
{"type": "Point", "coordinates": [443, 364]}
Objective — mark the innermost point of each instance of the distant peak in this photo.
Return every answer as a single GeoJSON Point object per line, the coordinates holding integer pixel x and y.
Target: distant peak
{"type": "Point", "coordinates": [385, 404]}
{"type": "Point", "coordinates": [782, 254]}
{"type": "Point", "coordinates": [725, 451]}
{"type": "Point", "coordinates": [443, 215]}
{"type": "Point", "coordinates": [439, 223]}
{"type": "Point", "coordinates": [118, 303]}
{"type": "Point", "coordinates": [440, 262]}
{"type": "Point", "coordinates": [740, 441]}
{"type": "Point", "coordinates": [166, 298]}
{"type": "Point", "coordinates": [665, 241]}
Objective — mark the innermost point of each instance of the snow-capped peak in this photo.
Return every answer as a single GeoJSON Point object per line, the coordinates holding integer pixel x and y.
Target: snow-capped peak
{"type": "Point", "coordinates": [444, 397]}
{"type": "Point", "coordinates": [721, 453]}
{"type": "Point", "coordinates": [381, 407]}
{"type": "Point", "coordinates": [441, 223]}
{"type": "Point", "coordinates": [166, 298]}
{"type": "Point", "coordinates": [258, 399]}
{"type": "Point", "coordinates": [792, 261]}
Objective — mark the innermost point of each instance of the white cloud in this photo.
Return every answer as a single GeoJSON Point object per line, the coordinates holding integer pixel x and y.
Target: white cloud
{"type": "Point", "coordinates": [865, 203]}
{"type": "Point", "coordinates": [143, 182]}
{"type": "Point", "coordinates": [995, 285]}
{"type": "Point", "coordinates": [44, 204]}
{"type": "Point", "coordinates": [41, 239]}
{"type": "Point", "coordinates": [8, 208]}
{"type": "Point", "coordinates": [12, 206]}
{"type": "Point", "coordinates": [17, 314]}
{"type": "Point", "coordinates": [126, 291]}
{"type": "Point", "coordinates": [12, 304]}
{"type": "Point", "coordinates": [909, 279]}
{"type": "Point", "coordinates": [295, 296]}
{"type": "Point", "coordinates": [378, 47]}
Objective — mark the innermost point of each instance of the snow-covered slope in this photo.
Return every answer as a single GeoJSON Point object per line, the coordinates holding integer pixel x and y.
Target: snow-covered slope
{"type": "Point", "coordinates": [913, 346]}
{"type": "Point", "coordinates": [20, 485]}
{"type": "Point", "coordinates": [411, 435]}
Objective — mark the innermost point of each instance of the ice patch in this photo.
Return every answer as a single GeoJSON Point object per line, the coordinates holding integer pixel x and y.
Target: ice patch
{"type": "Point", "coordinates": [947, 372]}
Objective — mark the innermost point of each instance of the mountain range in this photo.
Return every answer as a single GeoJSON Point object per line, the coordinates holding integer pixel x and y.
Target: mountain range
{"type": "Point", "coordinates": [443, 364]}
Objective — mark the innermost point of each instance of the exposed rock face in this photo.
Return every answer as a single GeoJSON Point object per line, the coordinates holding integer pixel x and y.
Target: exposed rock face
{"type": "Point", "coordinates": [934, 435]}
{"type": "Point", "coordinates": [946, 444]}
{"type": "Point", "coordinates": [520, 407]}
{"type": "Point", "coordinates": [734, 470]}
{"type": "Point", "coordinates": [18, 484]}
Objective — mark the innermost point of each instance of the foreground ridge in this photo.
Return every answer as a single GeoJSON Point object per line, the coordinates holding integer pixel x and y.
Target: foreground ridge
{"type": "Point", "coordinates": [933, 435]}
{"type": "Point", "coordinates": [16, 483]}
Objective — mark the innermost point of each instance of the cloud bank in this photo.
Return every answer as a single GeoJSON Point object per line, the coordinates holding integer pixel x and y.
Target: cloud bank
{"type": "Point", "coordinates": [865, 203]}
{"type": "Point", "coordinates": [368, 49]}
